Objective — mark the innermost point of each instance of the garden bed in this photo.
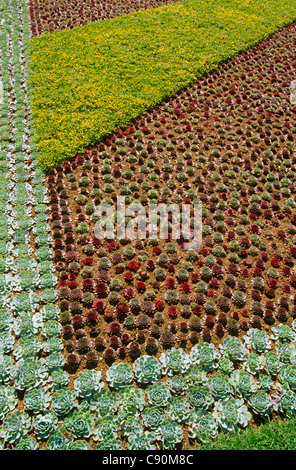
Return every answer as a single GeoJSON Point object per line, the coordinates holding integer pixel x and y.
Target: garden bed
{"type": "Point", "coordinates": [141, 344]}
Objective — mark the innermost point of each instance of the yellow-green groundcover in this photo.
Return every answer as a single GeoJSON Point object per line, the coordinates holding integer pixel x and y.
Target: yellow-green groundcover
{"type": "Point", "coordinates": [87, 81]}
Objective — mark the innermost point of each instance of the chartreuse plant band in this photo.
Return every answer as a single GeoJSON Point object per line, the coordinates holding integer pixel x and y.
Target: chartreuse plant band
{"type": "Point", "coordinates": [87, 81]}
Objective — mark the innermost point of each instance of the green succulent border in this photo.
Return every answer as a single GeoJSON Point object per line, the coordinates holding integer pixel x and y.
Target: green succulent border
{"type": "Point", "coordinates": [57, 417]}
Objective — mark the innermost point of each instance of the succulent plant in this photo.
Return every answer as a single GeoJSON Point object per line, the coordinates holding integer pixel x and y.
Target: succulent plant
{"type": "Point", "coordinates": [44, 424]}
{"type": "Point", "coordinates": [285, 402]}
{"type": "Point", "coordinates": [152, 417]}
{"type": "Point", "coordinates": [243, 383]}
{"type": "Point", "coordinates": [174, 361]}
{"type": "Point", "coordinates": [30, 373]}
{"type": "Point", "coordinates": [254, 363]}
{"type": "Point", "coordinates": [16, 425]}
{"type": "Point", "coordinates": [88, 383]}
{"type": "Point", "coordinates": [147, 369]}
{"type": "Point", "coordinates": [260, 403]}
{"type": "Point", "coordinates": [171, 434]}
{"type": "Point", "coordinates": [8, 400]}
{"type": "Point", "coordinates": [286, 352]}
{"type": "Point", "coordinates": [257, 340]}
{"type": "Point", "coordinates": [220, 386]}
{"type": "Point", "coordinates": [141, 441]}
{"type": "Point", "coordinates": [158, 394]}
{"type": "Point", "coordinates": [132, 396]}
{"type": "Point", "coordinates": [283, 333]}
{"type": "Point", "coordinates": [63, 401]}
{"type": "Point", "coordinates": [230, 414]}
{"type": "Point", "coordinates": [119, 375]}
{"type": "Point", "coordinates": [233, 349]}
{"type": "Point", "coordinates": [287, 375]}
{"type": "Point", "coordinates": [203, 428]}
{"type": "Point", "coordinates": [105, 427]}
{"type": "Point", "coordinates": [27, 443]}
{"type": "Point", "coordinates": [272, 363]}
{"type": "Point", "coordinates": [104, 402]}
{"type": "Point", "coordinates": [79, 423]}
{"type": "Point", "coordinates": [206, 355]}
{"type": "Point", "coordinates": [179, 409]}
{"type": "Point", "coordinates": [58, 441]}
{"type": "Point", "coordinates": [37, 400]}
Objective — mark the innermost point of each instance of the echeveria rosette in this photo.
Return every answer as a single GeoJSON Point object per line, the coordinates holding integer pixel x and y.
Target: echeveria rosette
{"type": "Point", "coordinates": [50, 312]}
{"type": "Point", "coordinates": [131, 396]}
{"type": "Point", "coordinates": [225, 366]}
{"type": "Point", "coordinates": [125, 412]}
{"type": "Point", "coordinates": [179, 409]}
{"type": "Point", "coordinates": [170, 434]}
{"type": "Point", "coordinates": [106, 427]}
{"type": "Point", "coordinates": [243, 383]}
{"type": "Point", "coordinates": [220, 386]}
{"type": "Point", "coordinates": [153, 417]}
{"type": "Point", "coordinates": [142, 441]}
{"type": "Point", "coordinates": [63, 401]}
{"type": "Point", "coordinates": [257, 340]}
{"type": "Point", "coordinates": [58, 379]}
{"type": "Point", "coordinates": [80, 444]}
{"type": "Point", "coordinates": [88, 383]}
{"type": "Point", "coordinates": [53, 345]}
{"type": "Point", "coordinates": [283, 333]}
{"type": "Point", "coordinates": [16, 424]}
{"type": "Point", "coordinates": [27, 347]}
{"type": "Point", "coordinates": [6, 320]}
{"type": "Point", "coordinates": [200, 398]}
{"type": "Point", "coordinates": [58, 441]}
{"type": "Point", "coordinates": [80, 424]}
{"type": "Point", "coordinates": [104, 402]}
{"type": "Point", "coordinates": [37, 400]}
{"type": "Point", "coordinates": [110, 443]}
{"type": "Point", "coordinates": [8, 400]}
{"type": "Point", "coordinates": [286, 352]}
{"type": "Point", "coordinates": [25, 302]}
{"type": "Point", "coordinates": [174, 361]}
{"type": "Point", "coordinates": [132, 425]}
{"type": "Point", "coordinates": [272, 363]}
{"type": "Point", "coordinates": [230, 414]}
{"type": "Point", "coordinates": [260, 403]}
{"type": "Point", "coordinates": [158, 394]}
{"type": "Point", "coordinates": [203, 428]}
{"type": "Point", "coordinates": [7, 341]}
{"type": "Point", "coordinates": [177, 384]}
{"type": "Point", "coordinates": [284, 401]}
{"type": "Point", "coordinates": [27, 443]}
{"type": "Point", "coordinates": [55, 361]}
{"type": "Point", "coordinates": [51, 328]}
{"type": "Point", "coordinates": [119, 375]}
{"type": "Point", "coordinates": [147, 369]}
{"type": "Point", "coordinates": [30, 373]}
{"type": "Point", "coordinates": [44, 424]}
{"type": "Point", "coordinates": [287, 375]}
{"type": "Point", "coordinates": [233, 348]}
{"type": "Point", "coordinates": [266, 382]}
{"type": "Point", "coordinates": [254, 363]}
{"type": "Point", "coordinates": [7, 369]}
{"type": "Point", "coordinates": [205, 355]}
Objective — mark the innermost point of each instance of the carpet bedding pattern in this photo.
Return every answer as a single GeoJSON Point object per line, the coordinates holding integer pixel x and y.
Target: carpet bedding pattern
{"type": "Point", "coordinates": [140, 344]}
